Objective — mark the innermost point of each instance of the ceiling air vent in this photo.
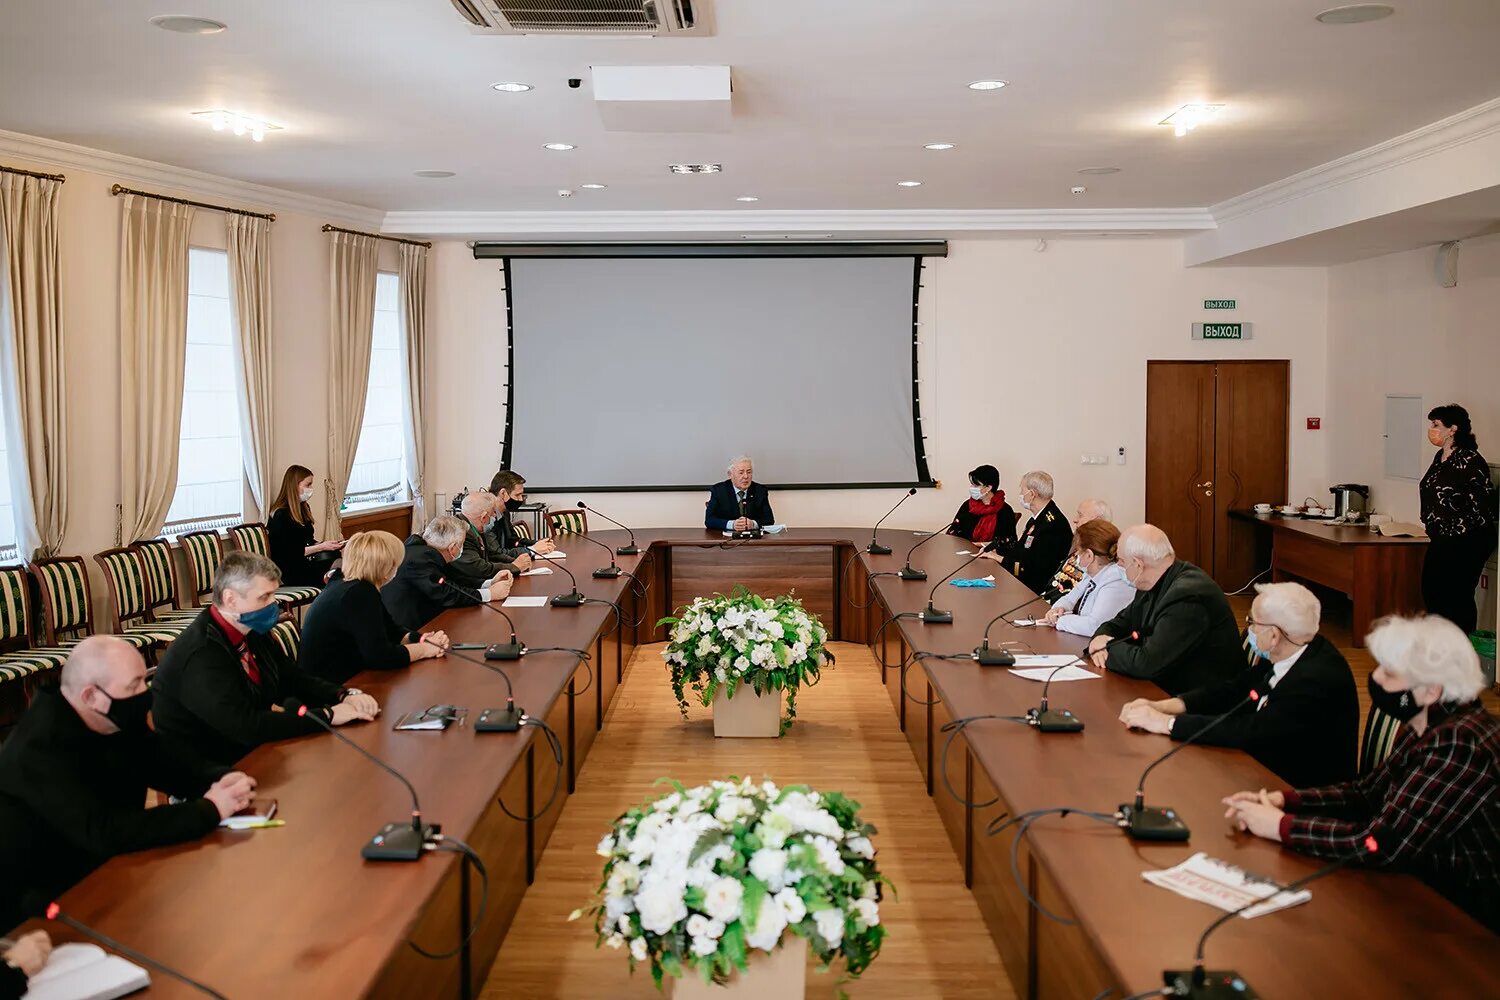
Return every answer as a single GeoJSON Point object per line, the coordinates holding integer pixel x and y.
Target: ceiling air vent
{"type": "Point", "coordinates": [587, 17]}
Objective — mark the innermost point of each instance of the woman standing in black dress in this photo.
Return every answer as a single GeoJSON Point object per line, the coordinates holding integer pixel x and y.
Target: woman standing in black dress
{"type": "Point", "coordinates": [303, 560]}
{"type": "Point", "coordinates": [1458, 508]}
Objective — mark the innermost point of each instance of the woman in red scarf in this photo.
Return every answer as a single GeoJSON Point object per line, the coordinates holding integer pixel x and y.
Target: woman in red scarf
{"type": "Point", "coordinates": [985, 516]}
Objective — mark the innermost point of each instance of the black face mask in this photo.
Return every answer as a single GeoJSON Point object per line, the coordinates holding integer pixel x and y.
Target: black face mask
{"type": "Point", "coordinates": [1399, 705]}
{"type": "Point", "coordinates": [130, 713]}
{"type": "Point", "coordinates": [513, 505]}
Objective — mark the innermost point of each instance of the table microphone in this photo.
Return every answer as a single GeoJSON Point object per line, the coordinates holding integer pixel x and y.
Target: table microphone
{"type": "Point", "coordinates": [931, 615]}
{"type": "Point", "coordinates": [603, 572]}
{"type": "Point", "coordinates": [1061, 720]}
{"type": "Point", "coordinates": [749, 532]}
{"type": "Point", "coordinates": [496, 650]}
{"type": "Point", "coordinates": [999, 657]}
{"type": "Point", "coordinates": [394, 841]}
{"type": "Point", "coordinates": [574, 599]}
{"type": "Point", "coordinates": [907, 573]}
{"type": "Point", "coordinates": [876, 549]}
{"type": "Point", "coordinates": [1226, 984]}
{"type": "Point", "coordinates": [39, 906]}
{"type": "Point", "coordinates": [496, 720]}
{"type": "Point", "coordinates": [1145, 822]}
{"type": "Point", "coordinates": [629, 549]}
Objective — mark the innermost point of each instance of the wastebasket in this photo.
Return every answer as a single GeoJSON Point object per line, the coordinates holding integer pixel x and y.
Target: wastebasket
{"type": "Point", "coordinates": [1484, 645]}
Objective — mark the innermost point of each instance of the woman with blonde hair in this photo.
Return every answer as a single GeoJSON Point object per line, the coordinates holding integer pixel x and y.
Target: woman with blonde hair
{"type": "Point", "coordinates": [347, 629]}
{"type": "Point", "coordinates": [303, 560]}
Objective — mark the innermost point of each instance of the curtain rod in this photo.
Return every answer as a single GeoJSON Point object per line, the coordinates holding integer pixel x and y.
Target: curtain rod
{"type": "Point", "coordinates": [31, 173]}
{"type": "Point", "coordinates": [329, 227]}
{"type": "Point", "coordinates": [117, 189]}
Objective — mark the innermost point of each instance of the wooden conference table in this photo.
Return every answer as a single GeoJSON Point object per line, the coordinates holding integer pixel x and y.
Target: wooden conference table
{"type": "Point", "coordinates": [296, 912]}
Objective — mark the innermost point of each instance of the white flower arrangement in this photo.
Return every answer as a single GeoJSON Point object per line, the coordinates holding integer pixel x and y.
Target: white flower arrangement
{"type": "Point", "coordinates": [698, 880]}
{"type": "Point", "coordinates": [772, 644]}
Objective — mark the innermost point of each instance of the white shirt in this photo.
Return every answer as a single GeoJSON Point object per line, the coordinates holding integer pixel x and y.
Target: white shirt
{"type": "Point", "coordinates": [1278, 671]}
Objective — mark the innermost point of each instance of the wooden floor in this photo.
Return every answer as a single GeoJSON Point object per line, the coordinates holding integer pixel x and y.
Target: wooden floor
{"type": "Point", "coordinates": [846, 739]}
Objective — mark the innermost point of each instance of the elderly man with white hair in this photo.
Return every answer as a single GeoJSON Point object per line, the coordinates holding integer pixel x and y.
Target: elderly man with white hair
{"type": "Point", "coordinates": [1041, 548]}
{"type": "Point", "coordinates": [482, 557]}
{"type": "Point", "coordinates": [1433, 806]}
{"type": "Point", "coordinates": [739, 503]}
{"type": "Point", "coordinates": [1304, 721]}
{"type": "Point", "coordinates": [422, 588]}
{"type": "Point", "coordinates": [1178, 631]}
{"type": "Point", "coordinates": [1070, 574]}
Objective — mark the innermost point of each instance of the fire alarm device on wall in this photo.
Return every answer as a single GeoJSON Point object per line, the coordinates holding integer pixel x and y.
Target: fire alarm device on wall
{"type": "Point", "coordinates": [1314, 423]}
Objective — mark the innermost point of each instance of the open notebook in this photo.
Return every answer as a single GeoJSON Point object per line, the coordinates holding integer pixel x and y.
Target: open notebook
{"type": "Point", "coordinates": [86, 972]}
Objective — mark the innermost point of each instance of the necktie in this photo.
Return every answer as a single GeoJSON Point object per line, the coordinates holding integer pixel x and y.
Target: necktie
{"type": "Point", "coordinates": [1085, 598]}
{"type": "Point", "coordinates": [741, 495]}
{"type": "Point", "coordinates": [247, 663]}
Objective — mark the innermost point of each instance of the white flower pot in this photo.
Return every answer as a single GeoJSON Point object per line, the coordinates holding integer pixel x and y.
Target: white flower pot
{"type": "Point", "coordinates": [747, 713]}
{"type": "Point", "coordinates": [782, 974]}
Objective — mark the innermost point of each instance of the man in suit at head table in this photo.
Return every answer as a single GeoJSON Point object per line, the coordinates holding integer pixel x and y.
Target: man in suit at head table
{"type": "Point", "coordinates": [738, 493]}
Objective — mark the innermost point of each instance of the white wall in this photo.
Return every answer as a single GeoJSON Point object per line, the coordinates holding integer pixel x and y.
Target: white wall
{"type": "Point", "coordinates": [1028, 360]}
{"type": "Point", "coordinates": [1392, 329]}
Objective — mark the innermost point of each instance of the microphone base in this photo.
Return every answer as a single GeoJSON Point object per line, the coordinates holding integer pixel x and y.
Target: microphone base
{"type": "Point", "coordinates": [1056, 720]}
{"type": "Point", "coordinates": [606, 572]}
{"type": "Point", "coordinates": [398, 842]}
{"type": "Point", "coordinates": [988, 657]}
{"type": "Point", "coordinates": [878, 550]}
{"type": "Point", "coordinates": [504, 651]}
{"type": "Point", "coordinates": [907, 573]}
{"type": "Point", "coordinates": [1153, 823]}
{"type": "Point", "coordinates": [628, 550]}
{"type": "Point", "coordinates": [932, 616]}
{"type": "Point", "coordinates": [499, 720]}
{"type": "Point", "coordinates": [752, 533]}
{"type": "Point", "coordinates": [1217, 984]}
{"type": "Point", "coordinates": [573, 600]}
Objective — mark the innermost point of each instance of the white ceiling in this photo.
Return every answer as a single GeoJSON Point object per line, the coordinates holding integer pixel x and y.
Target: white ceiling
{"type": "Point", "coordinates": [833, 99]}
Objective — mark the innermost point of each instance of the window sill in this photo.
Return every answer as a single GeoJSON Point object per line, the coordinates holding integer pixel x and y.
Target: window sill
{"type": "Point", "coordinates": [374, 508]}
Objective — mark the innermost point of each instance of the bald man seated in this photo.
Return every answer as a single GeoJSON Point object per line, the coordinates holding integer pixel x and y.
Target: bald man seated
{"type": "Point", "coordinates": [74, 775]}
{"type": "Point", "coordinates": [1187, 636]}
{"type": "Point", "coordinates": [1070, 574]}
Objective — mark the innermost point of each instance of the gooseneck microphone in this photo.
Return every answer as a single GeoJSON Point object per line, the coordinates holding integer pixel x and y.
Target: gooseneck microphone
{"type": "Point", "coordinates": [571, 600]}
{"type": "Point", "coordinates": [931, 615]}
{"type": "Point", "coordinates": [629, 549]}
{"type": "Point", "coordinates": [496, 650]}
{"type": "Point", "coordinates": [1200, 984]}
{"type": "Point", "coordinates": [603, 572]}
{"type": "Point", "coordinates": [1145, 822]}
{"type": "Point", "coordinates": [999, 657]}
{"type": "Point", "coordinates": [496, 720]}
{"type": "Point", "coordinates": [1061, 720]}
{"type": "Point", "coordinates": [874, 548]}
{"type": "Point", "coordinates": [907, 573]}
{"type": "Point", "coordinates": [748, 532]}
{"type": "Point", "coordinates": [394, 841]}
{"type": "Point", "coordinates": [52, 911]}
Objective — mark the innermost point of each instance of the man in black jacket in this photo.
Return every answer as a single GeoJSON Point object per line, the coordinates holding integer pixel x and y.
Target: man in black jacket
{"type": "Point", "coordinates": [739, 491]}
{"type": "Point", "coordinates": [428, 582]}
{"type": "Point", "coordinates": [1303, 723]}
{"type": "Point", "coordinates": [74, 775]}
{"type": "Point", "coordinates": [1043, 545]}
{"type": "Point", "coordinates": [221, 683]}
{"type": "Point", "coordinates": [509, 491]}
{"type": "Point", "coordinates": [1187, 635]}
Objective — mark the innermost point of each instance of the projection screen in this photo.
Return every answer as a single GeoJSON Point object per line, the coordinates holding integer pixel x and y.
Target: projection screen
{"type": "Point", "coordinates": [651, 373]}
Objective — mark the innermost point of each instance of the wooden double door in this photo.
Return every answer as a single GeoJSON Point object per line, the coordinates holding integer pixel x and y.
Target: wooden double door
{"type": "Point", "coordinates": [1216, 439]}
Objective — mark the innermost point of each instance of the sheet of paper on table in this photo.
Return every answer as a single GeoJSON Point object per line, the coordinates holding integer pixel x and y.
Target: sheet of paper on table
{"type": "Point", "coordinates": [525, 602]}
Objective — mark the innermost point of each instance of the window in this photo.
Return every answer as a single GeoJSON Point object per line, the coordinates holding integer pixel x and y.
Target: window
{"type": "Point", "coordinates": [7, 506]}
{"type": "Point", "coordinates": [210, 468]}
{"type": "Point", "coordinates": [379, 473]}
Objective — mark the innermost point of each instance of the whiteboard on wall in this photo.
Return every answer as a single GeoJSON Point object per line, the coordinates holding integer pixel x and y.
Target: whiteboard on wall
{"type": "Point", "coordinates": [1405, 437]}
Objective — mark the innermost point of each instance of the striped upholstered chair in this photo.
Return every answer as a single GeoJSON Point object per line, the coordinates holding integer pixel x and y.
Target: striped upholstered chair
{"type": "Point", "coordinates": [130, 609]}
{"type": "Point", "coordinates": [568, 522]}
{"type": "Point", "coordinates": [21, 662]}
{"type": "Point", "coordinates": [161, 582]}
{"type": "Point", "coordinates": [255, 538]}
{"type": "Point", "coordinates": [67, 609]}
{"type": "Point", "coordinates": [1379, 737]}
{"type": "Point", "coordinates": [288, 638]}
{"type": "Point", "coordinates": [203, 551]}
{"type": "Point", "coordinates": [522, 530]}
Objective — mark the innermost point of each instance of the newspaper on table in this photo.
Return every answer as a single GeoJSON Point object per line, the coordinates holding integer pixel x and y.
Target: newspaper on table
{"type": "Point", "coordinates": [1224, 885]}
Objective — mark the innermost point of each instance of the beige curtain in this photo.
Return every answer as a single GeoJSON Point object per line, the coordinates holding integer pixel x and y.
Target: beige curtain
{"type": "Point", "coordinates": [31, 361]}
{"type": "Point", "coordinates": [153, 348]}
{"type": "Point", "coordinates": [352, 285]}
{"type": "Point", "coordinates": [249, 242]}
{"type": "Point", "coordinates": [414, 356]}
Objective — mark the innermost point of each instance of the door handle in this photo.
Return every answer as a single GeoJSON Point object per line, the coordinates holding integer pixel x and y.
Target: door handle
{"type": "Point", "coordinates": [1209, 483]}
{"type": "Point", "coordinates": [1208, 493]}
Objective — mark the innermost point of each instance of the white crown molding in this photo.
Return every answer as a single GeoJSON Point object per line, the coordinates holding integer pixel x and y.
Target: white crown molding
{"type": "Point", "coordinates": [564, 223]}
{"type": "Point", "coordinates": [1429, 140]}
{"type": "Point", "coordinates": [181, 181]}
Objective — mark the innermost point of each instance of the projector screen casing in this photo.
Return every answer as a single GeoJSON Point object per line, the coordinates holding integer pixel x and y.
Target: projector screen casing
{"type": "Point", "coordinates": [649, 373]}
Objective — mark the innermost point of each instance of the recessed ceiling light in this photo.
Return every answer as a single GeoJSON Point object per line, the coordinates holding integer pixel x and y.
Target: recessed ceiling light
{"type": "Point", "coordinates": [909, 184]}
{"type": "Point", "coordinates": [938, 145]}
{"type": "Point", "coordinates": [237, 122]}
{"type": "Point", "coordinates": [593, 187]}
{"type": "Point", "coordinates": [512, 88]}
{"type": "Point", "coordinates": [1190, 116]}
{"type": "Point", "coordinates": [559, 147]}
{"type": "Point", "coordinates": [435, 174]}
{"type": "Point", "coordinates": [695, 168]}
{"type": "Point", "coordinates": [1099, 171]}
{"type": "Point", "coordinates": [747, 197]}
{"type": "Point", "coordinates": [1356, 13]}
{"type": "Point", "coordinates": [188, 25]}
{"type": "Point", "coordinates": [987, 85]}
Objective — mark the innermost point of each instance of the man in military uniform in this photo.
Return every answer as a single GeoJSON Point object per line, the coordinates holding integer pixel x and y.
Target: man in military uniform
{"type": "Point", "coordinates": [1044, 543]}
{"type": "Point", "coordinates": [1070, 574]}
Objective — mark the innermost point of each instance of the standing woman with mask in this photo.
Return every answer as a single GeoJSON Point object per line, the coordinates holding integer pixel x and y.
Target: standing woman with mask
{"type": "Point", "coordinates": [303, 560]}
{"type": "Point", "coordinates": [985, 517]}
{"type": "Point", "coordinates": [1458, 508]}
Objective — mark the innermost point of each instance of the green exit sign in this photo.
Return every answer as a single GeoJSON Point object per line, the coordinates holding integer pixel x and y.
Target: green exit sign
{"type": "Point", "coordinates": [1218, 303]}
{"type": "Point", "coordinates": [1221, 331]}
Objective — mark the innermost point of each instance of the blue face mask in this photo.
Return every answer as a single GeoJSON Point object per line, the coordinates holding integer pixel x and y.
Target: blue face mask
{"type": "Point", "coordinates": [1254, 645]}
{"type": "Point", "coordinates": [263, 619]}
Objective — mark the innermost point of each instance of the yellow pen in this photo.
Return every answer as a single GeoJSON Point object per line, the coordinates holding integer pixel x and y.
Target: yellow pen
{"type": "Point", "coordinates": [262, 826]}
